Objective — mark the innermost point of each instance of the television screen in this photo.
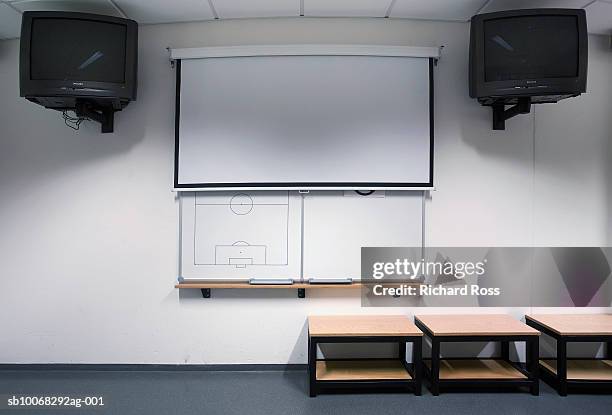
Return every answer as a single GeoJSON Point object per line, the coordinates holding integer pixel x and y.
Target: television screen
{"type": "Point", "coordinates": [77, 50]}
{"type": "Point", "coordinates": [531, 47]}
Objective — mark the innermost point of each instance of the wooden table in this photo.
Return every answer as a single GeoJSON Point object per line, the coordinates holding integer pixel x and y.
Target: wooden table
{"type": "Point", "coordinates": [563, 373]}
{"type": "Point", "coordinates": [475, 372]}
{"type": "Point", "coordinates": [373, 374]}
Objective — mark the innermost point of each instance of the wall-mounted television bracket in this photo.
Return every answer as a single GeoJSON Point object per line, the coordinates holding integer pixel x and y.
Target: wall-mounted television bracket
{"type": "Point", "coordinates": [501, 114]}
{"type": "Point", "coordinates": [104, 114]}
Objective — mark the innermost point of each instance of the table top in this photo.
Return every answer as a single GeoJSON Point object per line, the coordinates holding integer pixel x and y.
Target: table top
{"type": "Point", "coordinates": [356, 326]}
{"type": "Point", "coordinates": [575, 324]}
{"type": "Point", "coordinates": [475, 325]}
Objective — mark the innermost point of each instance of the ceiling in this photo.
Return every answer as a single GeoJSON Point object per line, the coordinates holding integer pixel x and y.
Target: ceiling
{"type": "Point", "coordinates": [599, 12]}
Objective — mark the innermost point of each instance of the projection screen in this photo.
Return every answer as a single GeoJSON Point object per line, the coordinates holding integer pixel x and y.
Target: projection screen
{"type": "Point", "coordinates": [304, 122]}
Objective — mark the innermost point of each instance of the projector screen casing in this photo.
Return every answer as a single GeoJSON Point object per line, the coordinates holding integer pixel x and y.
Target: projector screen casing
{"type": "Point", "coordinates": [246, 183]}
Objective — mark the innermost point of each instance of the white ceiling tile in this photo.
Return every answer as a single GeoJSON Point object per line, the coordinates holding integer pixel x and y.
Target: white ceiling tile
{"type": "Point", "coordinates": [166, 11]}
{"type": "Point", "coordinates": [84, 6]}
{"type": "Point", "coordinates": [454, 10]}
{"type": "Point", "coordinates": [228, 9]}
{"type": "Point", "coordinates": [499, 5]}
{"type": "Point", "coordinates": [10, 22]}
{"type": "Point", "coordinates": [346, 8]}
{"type": "Point", "coordinates": [599, 18]}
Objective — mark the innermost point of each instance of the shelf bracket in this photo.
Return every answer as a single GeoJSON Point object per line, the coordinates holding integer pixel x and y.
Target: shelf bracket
{"type": "Point", "coordinates": [501, 114]}
{"type": "Point", "coordinates": [205, 292]}
{"type": "Point", "coordinates": [105, 115]}
{"type": "Point", "coordinates": [301, 292]}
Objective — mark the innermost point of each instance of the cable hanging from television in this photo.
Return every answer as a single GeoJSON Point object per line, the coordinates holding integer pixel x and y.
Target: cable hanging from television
{"type": "Point", "coordinates": [73, 122]}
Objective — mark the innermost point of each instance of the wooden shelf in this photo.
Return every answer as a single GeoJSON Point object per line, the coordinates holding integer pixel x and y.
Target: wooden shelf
{"type": "Point", "coordinates": [246, 285]}
{"type": "Point", "coordinates": [301, 288]}
{"type": "Point", "coordinates": [343, 370]}
{"type": "Point", "coordinates": [582, 369]}
{"type": "Point", "coordinates": [477, 369]}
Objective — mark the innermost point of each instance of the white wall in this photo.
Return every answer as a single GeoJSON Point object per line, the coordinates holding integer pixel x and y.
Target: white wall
{"type": "Point", "coordinates": [88, 241]}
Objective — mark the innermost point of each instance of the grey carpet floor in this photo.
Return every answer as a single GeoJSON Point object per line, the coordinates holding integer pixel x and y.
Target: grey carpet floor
{"type": "Point", "coordinates": [268, 393]}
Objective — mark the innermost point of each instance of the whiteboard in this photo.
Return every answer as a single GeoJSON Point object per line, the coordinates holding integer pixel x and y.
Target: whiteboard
{"type": "Point", "coordinates": [337, 226]}
{"type": "Point", "coordinates": [304, 122]}
{"type": "Point", "coordinates": [235, 236]}
{"type": "Point", "coordinates": [239, 235]}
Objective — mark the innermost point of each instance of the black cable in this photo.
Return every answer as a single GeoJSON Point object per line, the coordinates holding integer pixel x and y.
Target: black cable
{"type": "Point", "coordinates": [73, 122]}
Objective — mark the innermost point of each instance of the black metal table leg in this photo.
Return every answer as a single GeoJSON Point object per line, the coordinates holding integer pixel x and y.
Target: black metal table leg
{"type": "Point", "coordinates": [435, 367]}
{"type": "Point", "coordinates": [417, 362]}
{"type": "Point", "coordinates": [401, 351]}
{"type": "Point", "coordinates": [312, 366]}
{"type": "Point", "coordinates": [505, 350]}
{"type": "Point", "coordinates": [533, 364]}
{"type": "Point", "coordinates": [562, 366]}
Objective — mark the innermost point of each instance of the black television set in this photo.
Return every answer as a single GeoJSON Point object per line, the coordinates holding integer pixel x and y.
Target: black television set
{"type": "Point", "coordinates": [524, 57]}
{"type": "Point", "coordinates": [79, 61]}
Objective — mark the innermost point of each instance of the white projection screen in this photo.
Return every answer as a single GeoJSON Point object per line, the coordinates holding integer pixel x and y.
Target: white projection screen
{"type": "Point", "coordinates": [304, 122]}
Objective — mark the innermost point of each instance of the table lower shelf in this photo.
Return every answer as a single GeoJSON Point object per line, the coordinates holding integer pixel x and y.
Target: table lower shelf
{"type": "Point", "coordinates": [582, 369]}
{"type": "Point", "coordinates": [361, 370]}
{"type": "Point", "coordinates": [477, 369]}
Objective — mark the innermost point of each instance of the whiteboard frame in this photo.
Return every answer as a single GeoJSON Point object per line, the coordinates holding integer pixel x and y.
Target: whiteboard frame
{"type": "Point", "coordinates": [177, 55]}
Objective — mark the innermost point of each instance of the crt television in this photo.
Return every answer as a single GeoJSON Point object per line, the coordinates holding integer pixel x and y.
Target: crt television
{"type": "Point", "coordinates": [535, 53]}
{"type": "Point", "coordinates": [68, 57]}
